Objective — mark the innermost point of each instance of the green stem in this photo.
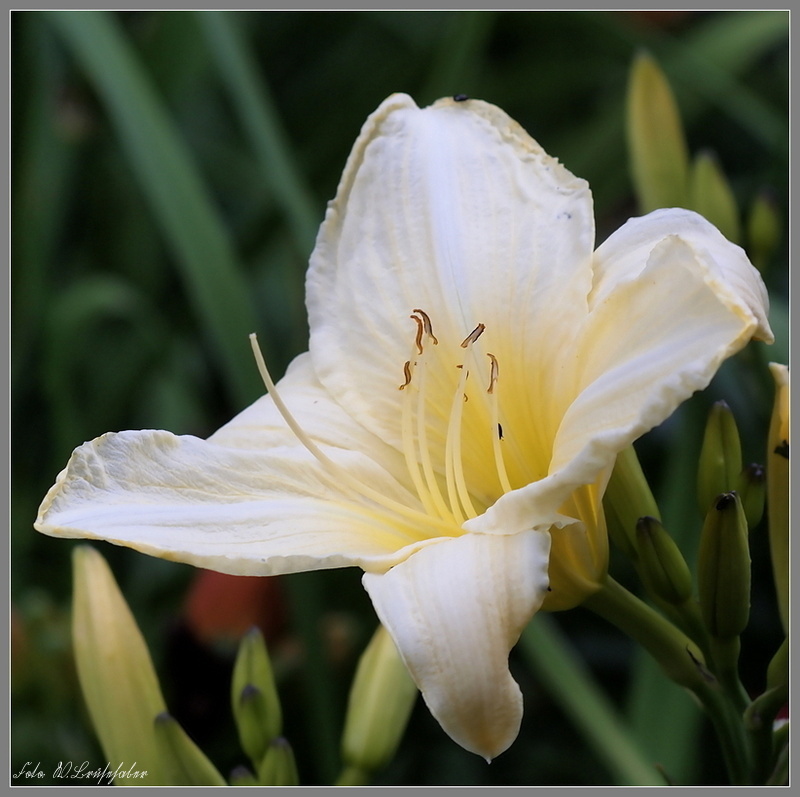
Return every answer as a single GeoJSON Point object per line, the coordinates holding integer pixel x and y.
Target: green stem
{"type": "Point", "coordinates": [758, 721]}
{"type": "Point", "coordinates": [730, 733]}
{"type": "Point", "coordinates": [683, 663]}
{"type": "Point", "coordinates": [679, 657]}
{"type": "Point", "coordinates": [726, 658]}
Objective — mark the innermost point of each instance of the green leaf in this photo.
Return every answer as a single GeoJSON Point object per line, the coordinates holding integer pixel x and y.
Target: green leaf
{"type": "Point", "coordinates": [593, 714]}
{"type": "Point", "coordinates": [172, 184]}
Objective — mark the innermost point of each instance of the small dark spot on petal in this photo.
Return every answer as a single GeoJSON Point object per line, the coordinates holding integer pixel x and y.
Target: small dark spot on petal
{"type": "Point", "coordinates": [460, 97]}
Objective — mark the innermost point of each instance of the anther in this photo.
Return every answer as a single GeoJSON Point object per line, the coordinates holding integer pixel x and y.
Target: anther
{"type": "Point", "coordinates": [493, 374]}
{"type": "Point", "coordinates": [418, 340]}
{"type": "Point", "coordinates": [426, 321]}
{"type": "Point", "coordinates": [406, 374]}
{"type": "Point", "coordinates": [473, 336]}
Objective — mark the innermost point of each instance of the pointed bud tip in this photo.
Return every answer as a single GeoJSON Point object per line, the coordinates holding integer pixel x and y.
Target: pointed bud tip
{"type": "Point", "coordinates": [249, 692]}
{"type": "Point", "coordinates": [725, 501]}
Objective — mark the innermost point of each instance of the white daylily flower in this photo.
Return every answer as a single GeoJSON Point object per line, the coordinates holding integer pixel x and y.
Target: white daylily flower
{"type": "Point", "coordinates": [456, 263]}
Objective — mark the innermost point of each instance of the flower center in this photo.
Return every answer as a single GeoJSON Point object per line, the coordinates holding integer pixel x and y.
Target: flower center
{"type": "Point", "coordinates": [442, 486]}
{"type": "Point", "coordinates": [437, 393]}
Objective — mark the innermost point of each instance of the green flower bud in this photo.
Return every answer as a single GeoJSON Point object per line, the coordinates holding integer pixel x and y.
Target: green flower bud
{"type": "Point", "coordinates": [658, 153]}
{"type": "Point", "coordinates": [711, 196]}
{"type": "Point", "coordinates": [752, 490]}
{"type": "Point", "coordinates": [720, 457]}
{"type": "Point", "coordinates": [663, 569]}
{"type": "Point", "coordinates": [723, 571]}
{"type": "Point", "coordinates": [254, 697]}
{"type": "Point", "coordinates": [763, 230]}
{"type": "Point", "coordinates": [627, 498]}
{"type": "Point", "coordinates": [183, 763]}
{"type": "Point", "coordinates": [242, 776]}
{"type": "Point", "coordinates": [380, 703]}
{"type": "Point", "coordinates": [278, 768]}
{"type": "Point", "coordinates": [778, 669]}
{"type": "Point", "coordinates": [114, 667]}
{"type": "Point", "coordinates": [778, 489]}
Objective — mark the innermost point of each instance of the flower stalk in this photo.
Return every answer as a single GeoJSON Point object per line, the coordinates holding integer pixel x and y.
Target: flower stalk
{"type": "Point", "coordinates": [682, 661]}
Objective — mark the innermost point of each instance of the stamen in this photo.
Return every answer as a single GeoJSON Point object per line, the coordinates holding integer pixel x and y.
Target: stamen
{"type": "Point", "coordinates": [456, 483]}
{"type": "Point", "coordinates": [339, 474]}
{"type": "Point", "coordinates": [420, 327]}
{"type": "Point", "coordinates": [452, 451]}
{"type": "Point", "coordinates": [494, 374]}
{"type": "Point", "coordinates": [424, 450]}
{"type": "Point", "coordinates": [407, 374]}
{"type": "Point", "coordinates": [473, 336]}
{"type": "Point", "coordinates": [416, 452]}
{"type": "Point", "coordinates": [426, 321]}
{"type": "Point", "coordinates": [409, 452]}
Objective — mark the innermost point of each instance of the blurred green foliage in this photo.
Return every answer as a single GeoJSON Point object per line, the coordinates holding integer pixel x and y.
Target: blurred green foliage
{"type": "Point", "coordinates": [169, 170]}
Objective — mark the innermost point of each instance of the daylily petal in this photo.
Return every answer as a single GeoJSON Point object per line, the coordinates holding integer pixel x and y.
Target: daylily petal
{"type": "Point", "coordinates": [633, 363]}
{"type": "Point", "coordinates": [456, 210]}
{"type": "Point", "coordinates": [724, 265]}
{"type": "Point", "coordinates": [455, 610]}
{"type": "Point", "coordinates": [260, 426]}
{"type": "Point", "coordinates": [225, 505]}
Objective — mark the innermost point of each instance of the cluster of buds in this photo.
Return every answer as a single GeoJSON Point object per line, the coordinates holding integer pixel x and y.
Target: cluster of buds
{"type": "Point", "coordinates": [128, 711]}
{"type": "Point", "coordinates": [130, 716]}
{"type": "Point", "coordinates": [257, 711]}
{"type": "Point", "coordinates": [712, 607]}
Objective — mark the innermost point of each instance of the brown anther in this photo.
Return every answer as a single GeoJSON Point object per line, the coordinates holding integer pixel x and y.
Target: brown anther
{"type": "Point", "coordinates": [493, 374]}
{"type": "Point", "coordinates": [420, 326]}
{"type": "Point", "coordinates": [407, 374]}
{"type": "Point", "coordinates": [426, 321]}
{"type": "Point", "coordinates": [473, 336]}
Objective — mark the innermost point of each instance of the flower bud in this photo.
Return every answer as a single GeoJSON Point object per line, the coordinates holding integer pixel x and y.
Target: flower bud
{"type": "Point", "coordinates": [254, 697]}
{"type": "Point", "coordinates": [663, 569]}
{"type": "Point", "coordinates": [278, 768]}
{"type": "Point", "coordinates": [723, 568]}
{"type": "Point", "coordinates": [778, 489]}
{"type": "Point", "coordinates": [711, 196]}
{"type": "Point", "coordinates": [627, 498]}
{"type": "Point", "coordinates": [763, 230]}
{"type": "Point", "coordinates": [114, 667]}
{"type": "Point", "coordinates": [778, 668]}
{"type": "Point", "coordinates": [752, 490]}
{"type": "Point", "coordinates": [720, 457]}
{"type": "Point", "coordinates": [242, 776]}
{"type": "Point", "coordinates": [380, 703]}
{"type": "Point", "coordinates": [658, 152]}
{"type": "Point", "coordinates": [183, 763]}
